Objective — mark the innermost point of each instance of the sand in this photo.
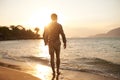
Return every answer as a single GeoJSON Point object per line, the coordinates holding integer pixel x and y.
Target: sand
{"type": "Point", "coordinates": [12, 74]}
{"type": "Point", "coordinates": [74, 75]}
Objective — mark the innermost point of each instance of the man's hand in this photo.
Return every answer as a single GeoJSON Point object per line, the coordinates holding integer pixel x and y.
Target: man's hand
{"type": "Point", "coordinates": [64, 45]}
{"type": "Point", "coordinates": [46, 44]}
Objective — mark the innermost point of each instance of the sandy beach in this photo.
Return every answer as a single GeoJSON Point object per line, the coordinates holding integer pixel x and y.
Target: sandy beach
{"type": "Point", "coordinates": [74, 75]}
{"type": "Point", "coordinates": [12, 74]}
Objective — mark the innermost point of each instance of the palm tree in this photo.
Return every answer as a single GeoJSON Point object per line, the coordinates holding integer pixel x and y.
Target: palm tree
{"type": "Point", "coordinates": [12, 27]}
{"type": "Point", "coordinates": [37, 30]}
{"type": "Point", "coordinates": [20, 27]}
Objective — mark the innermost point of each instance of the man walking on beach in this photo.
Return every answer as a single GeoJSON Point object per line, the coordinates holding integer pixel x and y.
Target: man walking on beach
{"type": "Point", "coordinates": [52, 39]}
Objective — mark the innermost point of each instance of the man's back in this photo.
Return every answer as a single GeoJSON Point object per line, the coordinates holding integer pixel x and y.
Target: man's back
{"type": "Point", "coordinates": [53, 30]}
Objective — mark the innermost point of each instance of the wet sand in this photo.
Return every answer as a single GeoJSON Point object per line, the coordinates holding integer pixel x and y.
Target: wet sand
{"type": "Point", "coordinates": [12, 74]}
{"type": "Point", "coordinates": [74, 75]}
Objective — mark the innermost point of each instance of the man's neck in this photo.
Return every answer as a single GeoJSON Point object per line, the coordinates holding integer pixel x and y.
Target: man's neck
{"type": "Point", "coordinates": [54, 21]}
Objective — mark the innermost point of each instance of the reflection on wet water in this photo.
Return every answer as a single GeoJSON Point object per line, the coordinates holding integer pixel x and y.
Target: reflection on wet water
{"type": "Point", "coordinates": [43, 72]}
{"type": "Point", "coordinates": [44, 50]}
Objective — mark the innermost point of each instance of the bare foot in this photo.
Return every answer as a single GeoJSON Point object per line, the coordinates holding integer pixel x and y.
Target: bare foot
{"type": "Point", "coordinates": [53, 76]}
{"type": "Point", "coordinates": [58, 73]}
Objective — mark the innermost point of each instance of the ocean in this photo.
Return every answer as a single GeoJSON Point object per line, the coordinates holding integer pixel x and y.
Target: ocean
{"type": "Point", "coordinates": [99, 56]}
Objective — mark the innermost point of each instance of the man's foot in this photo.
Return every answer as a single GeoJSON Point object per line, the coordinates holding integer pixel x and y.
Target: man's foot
{"type": "Point", "coordinates": [53, 74]}
{"type": "Point", "coordinates": [58, 73]}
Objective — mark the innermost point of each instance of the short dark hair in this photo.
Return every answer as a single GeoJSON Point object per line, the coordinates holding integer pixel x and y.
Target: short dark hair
{"type": "Point", "coordinates": [54, 16]}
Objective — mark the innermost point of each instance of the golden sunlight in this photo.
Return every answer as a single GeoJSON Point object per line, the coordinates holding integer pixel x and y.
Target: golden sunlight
{"type": "Point", "coordinates": [39, 19]}
{"type": "Point", "coordinates": [42, 17]}
{"type": "Point", "coordinates": [43, 71]}
{"type": "Point", "coordinates": [44, 50]}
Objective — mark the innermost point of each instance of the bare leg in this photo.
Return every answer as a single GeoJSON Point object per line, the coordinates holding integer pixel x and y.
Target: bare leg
{"type": "Point", "coordinates": [58, 61]}
{"type": "Point", "coordinates": [57, 77]}
{"type": "Point", "coordinates": [51, 52]}
{"type": "Point", "coordinates": [52, 62]}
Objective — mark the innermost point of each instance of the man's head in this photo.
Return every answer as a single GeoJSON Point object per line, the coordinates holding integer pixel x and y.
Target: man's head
{"type": "Point", "coordinates": [54, 17]}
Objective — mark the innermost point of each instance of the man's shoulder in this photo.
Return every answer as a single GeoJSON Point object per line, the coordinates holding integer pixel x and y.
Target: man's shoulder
{"type": "Point", "coordinates": [58, 24]}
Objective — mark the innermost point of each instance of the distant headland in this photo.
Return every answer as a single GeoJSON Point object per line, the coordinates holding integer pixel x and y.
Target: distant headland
{"type": "Point", "coordinates": [112, 33]}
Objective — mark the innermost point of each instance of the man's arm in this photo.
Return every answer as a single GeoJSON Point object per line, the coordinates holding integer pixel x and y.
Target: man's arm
{"type": "Point", "coordinates": [63, 37]}
{"type": "Point", "coordinates": [45, 36]}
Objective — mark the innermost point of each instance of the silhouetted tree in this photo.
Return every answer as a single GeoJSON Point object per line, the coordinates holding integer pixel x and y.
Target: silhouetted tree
{"type": "Point", "coordinates": [17, 32]}
{"type": "Point", "coordinates": [4, 31]}
{"type": "Point", "coordinates": [37, 30]}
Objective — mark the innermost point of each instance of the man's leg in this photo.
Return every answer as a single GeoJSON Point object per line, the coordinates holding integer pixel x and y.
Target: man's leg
{"type": "Point", "coordinates": [51, 52]}
{"type": "Point", "coordinates": [58, 60]}
{"type": "Point", "coordinates": [52, 62]}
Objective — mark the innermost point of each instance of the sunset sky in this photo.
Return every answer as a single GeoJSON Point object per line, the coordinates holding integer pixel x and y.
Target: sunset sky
{"type": "Point", "coordinates": [80, 18]}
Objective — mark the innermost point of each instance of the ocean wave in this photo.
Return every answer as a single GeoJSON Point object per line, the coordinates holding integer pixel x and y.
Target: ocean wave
{"type": "Point", "coordinates": [37, 59]}
{"type": "Point", "coordinates": [32, 59]}
{"type": "Point", "coordinates": [10, 66]}
{"type": "Point", "coordinates": [93, 65]}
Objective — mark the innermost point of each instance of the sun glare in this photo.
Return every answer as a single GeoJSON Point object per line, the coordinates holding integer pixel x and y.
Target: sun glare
{"type": "Point", "coordinates": [42, 17]}
{"type": "Point", "coordinates": [39, 19]}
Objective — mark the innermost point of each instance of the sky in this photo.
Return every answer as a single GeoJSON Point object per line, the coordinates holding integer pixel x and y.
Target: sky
{"type": "Point", "coordinates": [79, 18]}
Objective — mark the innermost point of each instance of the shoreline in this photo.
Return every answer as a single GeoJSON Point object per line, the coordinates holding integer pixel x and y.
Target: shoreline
{"type": "Point", "coordinates": [21, 39]}
{"type": "Point", "coordinates": [75, 75]}
{"type": "Point", "coordinates": [14, 74]}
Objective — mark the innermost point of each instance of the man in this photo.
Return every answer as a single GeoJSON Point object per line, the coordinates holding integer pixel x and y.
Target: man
{"type": "Point", "coordinates": [52, 39]}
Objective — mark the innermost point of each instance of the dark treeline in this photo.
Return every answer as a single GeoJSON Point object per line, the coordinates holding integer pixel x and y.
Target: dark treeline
{"type": "Point", "coordinates": [18, 32]}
